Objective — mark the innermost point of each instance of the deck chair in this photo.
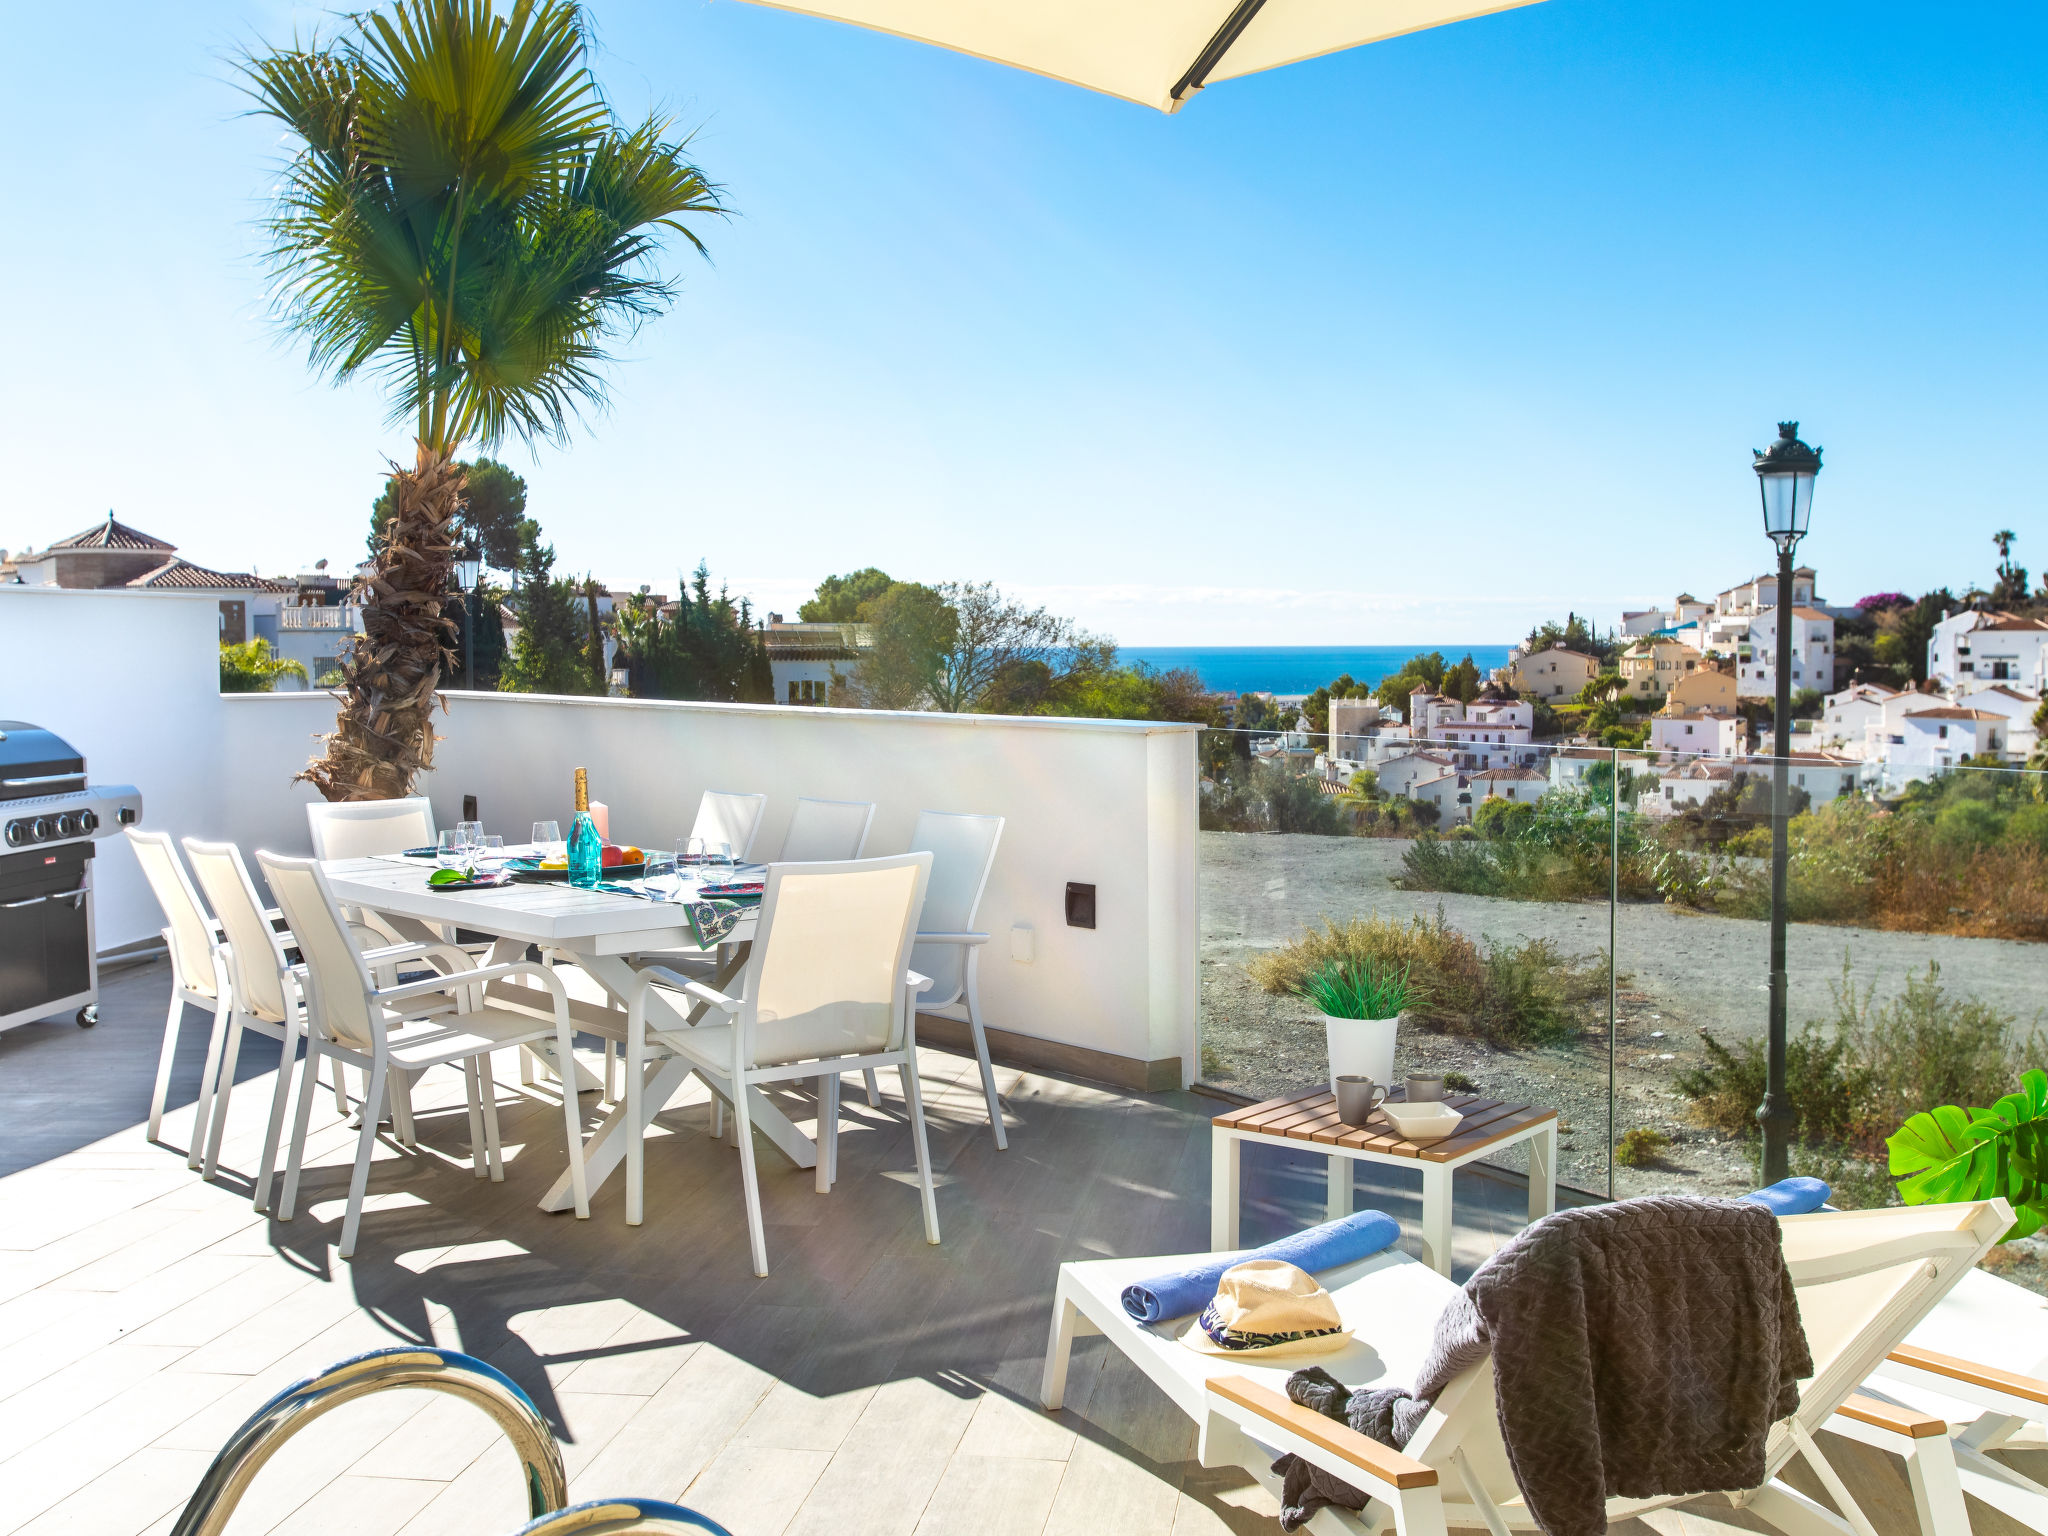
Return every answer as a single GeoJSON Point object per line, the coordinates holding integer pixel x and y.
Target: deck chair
{"type": "Point", "coordinates": [1865, 1279]}
{"type": "Point", "coordinates": [358, 829]}
{"type": "Point", "coordinates": [1942, 1381]}
{"type": "Point", "coordinates": [821, 831]}
{"type": "Point", "coordinates": [199, 976]}
{"type": "Point", "coordinates": [734, 820]}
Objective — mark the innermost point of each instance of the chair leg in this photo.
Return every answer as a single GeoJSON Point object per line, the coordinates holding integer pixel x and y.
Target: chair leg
{"type": "Point", "coordinates": [474, 1099]}
{"type": "Point", "coordinates": [572, 1116]}
{"type": "Point", "coordinates": [717, 1116]}
{"type": "Point", "coordinates": [750, 1184]}
{"type": "Point", "coordinates": [874, 1088]}
{"type": "Point", "coordinates": [340, 1091]}
{"type": "Point", "coordinates": [223, 1090]}
{"type": "Point", "coordinates": [164, 1060]}
{"type": "Point", "coordinates": [307, 1082]}
{"type": "Point", "coordinates": [1937, 1486]}
{"type": "Point", "coordinates": [288, 1057]}
{"type": "Point", "coordinates": [202, 1106]}
{"type": "Point", "coordinates": [611, 1056]}
{"type": "Point", "coordinates": [988, 1071]}
{"type": "Point", "coordinates": [828, 1131]}
{"type": "Point", "coordinates": [366, 1143]}
{"type": "Point", "coordinates": [915, 1101]}
{"type": "Point", "coordinates": [636, 1145]}
{"type": "Point", "coordinates": [488, 1087]}
{"type": "Point", "coordinates": [401, 1109]}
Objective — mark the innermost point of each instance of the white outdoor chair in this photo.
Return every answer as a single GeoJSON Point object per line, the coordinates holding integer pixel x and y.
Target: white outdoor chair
{"type": "Point", "coordinates": [826, 990]}
{"type": "Point", "coordinates": [352, 1019]}
{"type": "Point", "coordinates": [199, 977]}
{"type": "Point", "coordinates": [1943, 1377]}
{"type": "Point", "coordinates": [731, 819]}
{"type": "Point", "coordinates": [1864, 1280]}
{"type": "Point", "coordinates": [822, 831]}
{"type": "Point", "coordinates": [359, 829]}
{"type": "Point", "coordinates": [963, 850]}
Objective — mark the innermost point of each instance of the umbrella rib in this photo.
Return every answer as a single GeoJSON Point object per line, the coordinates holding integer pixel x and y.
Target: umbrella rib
{"type": "Point", "coordinates": [1212, 53]}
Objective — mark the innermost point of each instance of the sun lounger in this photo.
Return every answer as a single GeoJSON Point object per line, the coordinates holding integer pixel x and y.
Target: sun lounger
{"type": "Point", "coordinates": [1942, 1382]}
{"type": "Point", "coordinates": [1865, 1280]}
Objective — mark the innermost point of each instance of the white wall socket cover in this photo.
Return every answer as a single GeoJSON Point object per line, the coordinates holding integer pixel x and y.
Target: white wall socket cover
{"type": "Point", "coordinates": [1023, 943]}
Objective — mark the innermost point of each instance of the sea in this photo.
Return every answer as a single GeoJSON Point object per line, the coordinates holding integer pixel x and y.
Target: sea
{"type": "Point", "coordinates": [1300, 668]}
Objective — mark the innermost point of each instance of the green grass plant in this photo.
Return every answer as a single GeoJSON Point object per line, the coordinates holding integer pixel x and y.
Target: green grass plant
{"type": "Point", "coordinates": [1357, 990]}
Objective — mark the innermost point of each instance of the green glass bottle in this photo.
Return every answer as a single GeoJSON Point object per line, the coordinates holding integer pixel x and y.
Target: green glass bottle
{"type": "Point", "coordinates": [586, 848]}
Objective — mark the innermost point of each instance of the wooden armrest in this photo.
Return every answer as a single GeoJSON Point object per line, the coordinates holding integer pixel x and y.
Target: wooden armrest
{"type": "Point", "coordinates": [1340, 1440]}
{"type": "Point", "coordinates": [1900, 1421]}
{"type": "Point", "coordinates": [2031, 1388]}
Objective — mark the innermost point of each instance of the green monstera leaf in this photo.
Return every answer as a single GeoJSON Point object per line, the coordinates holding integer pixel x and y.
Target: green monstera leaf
{"type": "Point", "coordinates": [1949, 1153]}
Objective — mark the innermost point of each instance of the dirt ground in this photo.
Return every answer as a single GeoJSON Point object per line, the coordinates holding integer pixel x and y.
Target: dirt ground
{"type": "Point", "coordinates": [1681, 971]}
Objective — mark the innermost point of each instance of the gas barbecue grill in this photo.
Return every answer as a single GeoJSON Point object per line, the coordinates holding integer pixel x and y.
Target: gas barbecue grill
{"type": "Point", "coordinates": [49, 817]}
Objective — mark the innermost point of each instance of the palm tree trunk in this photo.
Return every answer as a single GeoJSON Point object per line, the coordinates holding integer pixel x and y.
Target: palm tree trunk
{"type": "Point", "coordinates": [384, 735]}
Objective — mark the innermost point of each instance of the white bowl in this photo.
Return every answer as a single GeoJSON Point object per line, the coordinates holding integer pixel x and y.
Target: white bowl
{"type": "Point", "coordinates": [1421, 1122]}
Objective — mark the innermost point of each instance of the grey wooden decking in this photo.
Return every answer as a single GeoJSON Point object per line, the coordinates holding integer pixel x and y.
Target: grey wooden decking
{"type": "Point", "coordinates": [870, 1384]}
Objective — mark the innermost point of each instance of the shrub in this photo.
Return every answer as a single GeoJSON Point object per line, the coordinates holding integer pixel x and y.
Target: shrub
{"type": "Point", "coordinates": [1265, 797]}
{"type": "Point", "coordinates": [1458, 1082]}
{"type": "Point", "coordinates": [1855, 1079]}
{"type": "Point", "coordinates": [1640, 1147]}
{"type": "Point", "coordinates": [1507, 994]}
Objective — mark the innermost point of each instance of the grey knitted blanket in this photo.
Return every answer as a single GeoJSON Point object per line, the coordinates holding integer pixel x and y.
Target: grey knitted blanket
{"type": "Point", "coordinates": [1640, 1349]}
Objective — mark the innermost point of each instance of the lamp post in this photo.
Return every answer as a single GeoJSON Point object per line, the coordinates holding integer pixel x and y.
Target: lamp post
{"type": "Point", "coordinates": [469, 569]}
{"type": "Point", "coordinates": [1784, 473]}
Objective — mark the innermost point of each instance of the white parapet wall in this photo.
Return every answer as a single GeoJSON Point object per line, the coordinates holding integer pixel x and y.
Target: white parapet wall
{"type": "Point", "coordinates": [1105, 803]}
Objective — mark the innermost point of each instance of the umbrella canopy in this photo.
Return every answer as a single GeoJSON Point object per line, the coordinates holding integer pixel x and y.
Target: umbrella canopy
{"type": "Point", "coordinates": [1157, 53]}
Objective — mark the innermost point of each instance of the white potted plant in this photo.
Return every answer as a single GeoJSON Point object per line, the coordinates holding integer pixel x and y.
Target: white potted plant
{"type": "Point", "coordinates": [1361, 1004]}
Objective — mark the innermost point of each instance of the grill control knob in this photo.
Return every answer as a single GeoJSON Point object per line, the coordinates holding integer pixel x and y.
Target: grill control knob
{"type": "Point", "coordinates": [88, 821]}
{"type": "Point", "coordinates": [17, 833]}
{"type": "Point", "coordinates": [43, 828]}
{"type": "Point", "coordinates": [68, 824]}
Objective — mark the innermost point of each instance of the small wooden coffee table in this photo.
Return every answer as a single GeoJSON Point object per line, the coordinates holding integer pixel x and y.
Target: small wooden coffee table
{"type": "Point", "coordinates": [1308, 1121]}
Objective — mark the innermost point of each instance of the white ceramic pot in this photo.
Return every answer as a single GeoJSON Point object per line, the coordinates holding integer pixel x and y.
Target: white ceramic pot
{"type": "Point", "coordinates": [1361, 1048]}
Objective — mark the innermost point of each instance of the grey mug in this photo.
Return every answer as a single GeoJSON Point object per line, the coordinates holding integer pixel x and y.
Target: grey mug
{"type": "Point", "coordinates": [1425, 1087]}
{"type": "Point", "coordinates": [1357, 1098]}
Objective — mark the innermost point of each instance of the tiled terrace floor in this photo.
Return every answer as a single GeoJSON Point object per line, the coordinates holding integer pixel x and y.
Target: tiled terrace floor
{"type": "Point", "coordinates": [870, 1384]}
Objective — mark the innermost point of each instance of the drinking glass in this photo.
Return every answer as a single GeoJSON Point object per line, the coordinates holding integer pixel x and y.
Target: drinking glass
{"type": "Point", "coordinates": [719, 857]}
{"type": "Point", "coordinates": [547, 840]}
{"type": "Point", "coordinates": [471, 831]}
{"type": "Point", "coordinates": [490, 851]}
{"type": "Point", "coordinates": [450, 850]}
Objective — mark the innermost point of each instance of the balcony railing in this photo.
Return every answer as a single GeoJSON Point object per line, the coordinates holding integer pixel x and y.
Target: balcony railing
{"type": "Point", "coordinates": [345, 618]}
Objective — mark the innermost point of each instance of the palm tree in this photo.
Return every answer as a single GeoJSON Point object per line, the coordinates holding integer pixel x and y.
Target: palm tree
{"type": "Point", "coordinates": [465, 220]}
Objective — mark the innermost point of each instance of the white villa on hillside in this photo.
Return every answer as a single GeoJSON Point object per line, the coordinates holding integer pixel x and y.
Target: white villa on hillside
{"type": "Point", "coordinates": [1697, 733]}
{"type": "Point", "coordinates": [1987, 646]}
{"type": "Point", "coordinates": [1846, 721]}
{"type": "Point", "coordinates": [1813, 647]}
{"type": "Point", "coordinates": [1937, 736]}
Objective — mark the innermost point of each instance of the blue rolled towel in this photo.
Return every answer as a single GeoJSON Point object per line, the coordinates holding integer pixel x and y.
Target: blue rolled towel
{"type": "Point", "coordinates": [1792, 1197]}
{"type": "Point", "coordinates": [1319, 1248]}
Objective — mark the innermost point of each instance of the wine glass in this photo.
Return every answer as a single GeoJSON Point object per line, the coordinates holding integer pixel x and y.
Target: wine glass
{"type": "Point", "coordinates": [472, 832]}
{"type": "Point", "coordinates": [451, 851]}
{"type": "Point", "coordinates": [547, 840]}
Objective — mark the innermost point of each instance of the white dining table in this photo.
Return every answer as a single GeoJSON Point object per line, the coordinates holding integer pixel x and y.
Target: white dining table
{"type": "Point", "coordinates": [596, 931]}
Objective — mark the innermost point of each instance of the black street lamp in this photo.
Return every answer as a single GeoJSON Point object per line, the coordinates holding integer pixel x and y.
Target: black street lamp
{"type": "Point", "coordinates": [1784, 473]}
{"type": "Point", "coordinates": [469, 569]}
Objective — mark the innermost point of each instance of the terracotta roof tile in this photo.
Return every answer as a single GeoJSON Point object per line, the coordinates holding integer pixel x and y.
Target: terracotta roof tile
{"type": "Point", "coordinates": [112, 535]}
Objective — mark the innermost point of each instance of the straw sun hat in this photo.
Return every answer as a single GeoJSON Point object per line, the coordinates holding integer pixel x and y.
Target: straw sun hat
{"type": "Point", "coordinates": [1268, 1309]}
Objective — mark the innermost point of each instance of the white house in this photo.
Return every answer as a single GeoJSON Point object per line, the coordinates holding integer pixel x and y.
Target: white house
{"type": "Point", "coordinates": [1813, 646]}
{"type": "Point", "coordinates": [1427, 711]}
{"type": "Point", "coordinates": [1986, 646]}
{"type": "Point", "coordinates": [1696, 733]}
{"type": "Point", "coordinates": [1845, 722]}
{"type": "Point", "coordinates": [1397, 775]}
{"type": "Point", "coordinates": [2018, 705]}
{"type": "Point", "coordinates": [805, 658]}
{"type": "Point", "coordinates": [1935, 737]}
{"type": "Point", "coordinates": [1569, 765]}
{"type": "Point", "coordinates": [1523, 785]}
{"type": "Point", "coordinates": [1688, 783]}
{"type": "Point", "coordinates": [1450, 795]}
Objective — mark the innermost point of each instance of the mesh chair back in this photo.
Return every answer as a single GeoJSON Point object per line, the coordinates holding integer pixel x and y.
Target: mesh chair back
{"type": "Point", "coordinates": [729, 818]}
{"type": "Point", "coordinates": [255, 952]}
{"type": "Point", "coordinates": [826, 830]}
{"type": "Point", "coordinates": [356, 829]}
{"type": "Point", "coordinates": [826, 975]}
{"type": "Point", "coordinates": [190, 936]}
{"type": "Point", "coordinates": [963, 850]}
{"type": "Point", "coordinates": [340, 982]}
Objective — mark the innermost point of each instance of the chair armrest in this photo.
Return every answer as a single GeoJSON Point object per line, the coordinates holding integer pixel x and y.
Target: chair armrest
{"type": "Point", "coordinates": [917, 983]}
{"type": "Point", "coordinates": [460, 958]}
{"type": "Point", "coordinates": [1970, 1372]}
{"type": "Point", "coordinates": [1381, 1463]}
{"type": "Point", "coordinates": [653, 977]}
{"type": "Point", "coordinates": [471, 978]}
{"type": "Point", "coordinates": [949, 938]}
{"type": "Point", "coordinates": [1883, 1415]}
{"type": "Point", "coordinates": [711, 995]}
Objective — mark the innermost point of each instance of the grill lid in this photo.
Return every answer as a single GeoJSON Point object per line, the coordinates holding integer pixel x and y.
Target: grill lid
{"type": "Point", "coordinates": [34, 761]}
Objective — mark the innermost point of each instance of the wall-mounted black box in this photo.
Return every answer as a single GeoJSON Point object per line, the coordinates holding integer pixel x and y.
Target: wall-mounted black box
{"type": "Point", "coordinates": [1080, 905]}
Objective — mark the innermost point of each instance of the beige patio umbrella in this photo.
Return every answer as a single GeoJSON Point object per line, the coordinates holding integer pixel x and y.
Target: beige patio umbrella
{"type": "Point", "coordinates": [1157, 53]}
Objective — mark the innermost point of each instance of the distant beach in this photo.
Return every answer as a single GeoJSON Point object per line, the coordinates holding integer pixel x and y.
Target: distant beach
{"type": "Point", "coordinates": [1299, 668]}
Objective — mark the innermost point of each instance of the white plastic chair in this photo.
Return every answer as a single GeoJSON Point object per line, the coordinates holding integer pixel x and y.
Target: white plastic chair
{"type": "Point", "coordinates": [352, 1019]}
{"type": "Point", "coordinates": [822, 831]}
{"type": "Point", "coordinates": [359, 829]}
{"type": "Point", "coordinates": [731, 819]}
{"type": "Point", "coordinates": [199, 976]}
{"type": "Point", "coordinates": [826, 990]}
{"type": "Point", "coordinates": [963, 850]}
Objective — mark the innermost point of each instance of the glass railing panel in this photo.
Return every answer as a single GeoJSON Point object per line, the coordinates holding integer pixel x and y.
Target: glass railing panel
{"type": "Point", "coordinates": [1475, 862]}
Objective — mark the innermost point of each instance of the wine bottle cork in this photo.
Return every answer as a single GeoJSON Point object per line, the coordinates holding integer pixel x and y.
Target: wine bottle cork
{"type": "Point", "coordinates": [582, 790]}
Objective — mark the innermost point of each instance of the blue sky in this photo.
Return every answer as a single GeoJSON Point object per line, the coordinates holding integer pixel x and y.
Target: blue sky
{"type": "Point", "coordinates": [1417, 342]}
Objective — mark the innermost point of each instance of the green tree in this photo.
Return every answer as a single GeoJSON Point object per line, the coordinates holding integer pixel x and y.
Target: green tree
{"type": "Point", "coordinates": [493, 506]}
{"type": "Point", "coordinates": [1576, 634]}
{"type": "Point", "coordinates": [709, 648]}
{"type": "Point", "coordinates": [841, 598]}
{"type": "Point", "coordinates": [250, 668]}
{"type": "Point", "coordinates": [549, 653]}
{"type": "Point", "coordinates": [1418, 673]}
{"type": "Point", "coordinates": [1903, 632]}
{"type": "Point", "coordinates": [914, 627]}
{"type": "Point", "coordinates": [1462, 681]}
{"type": "Point", "coordinates": [462, 217]}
